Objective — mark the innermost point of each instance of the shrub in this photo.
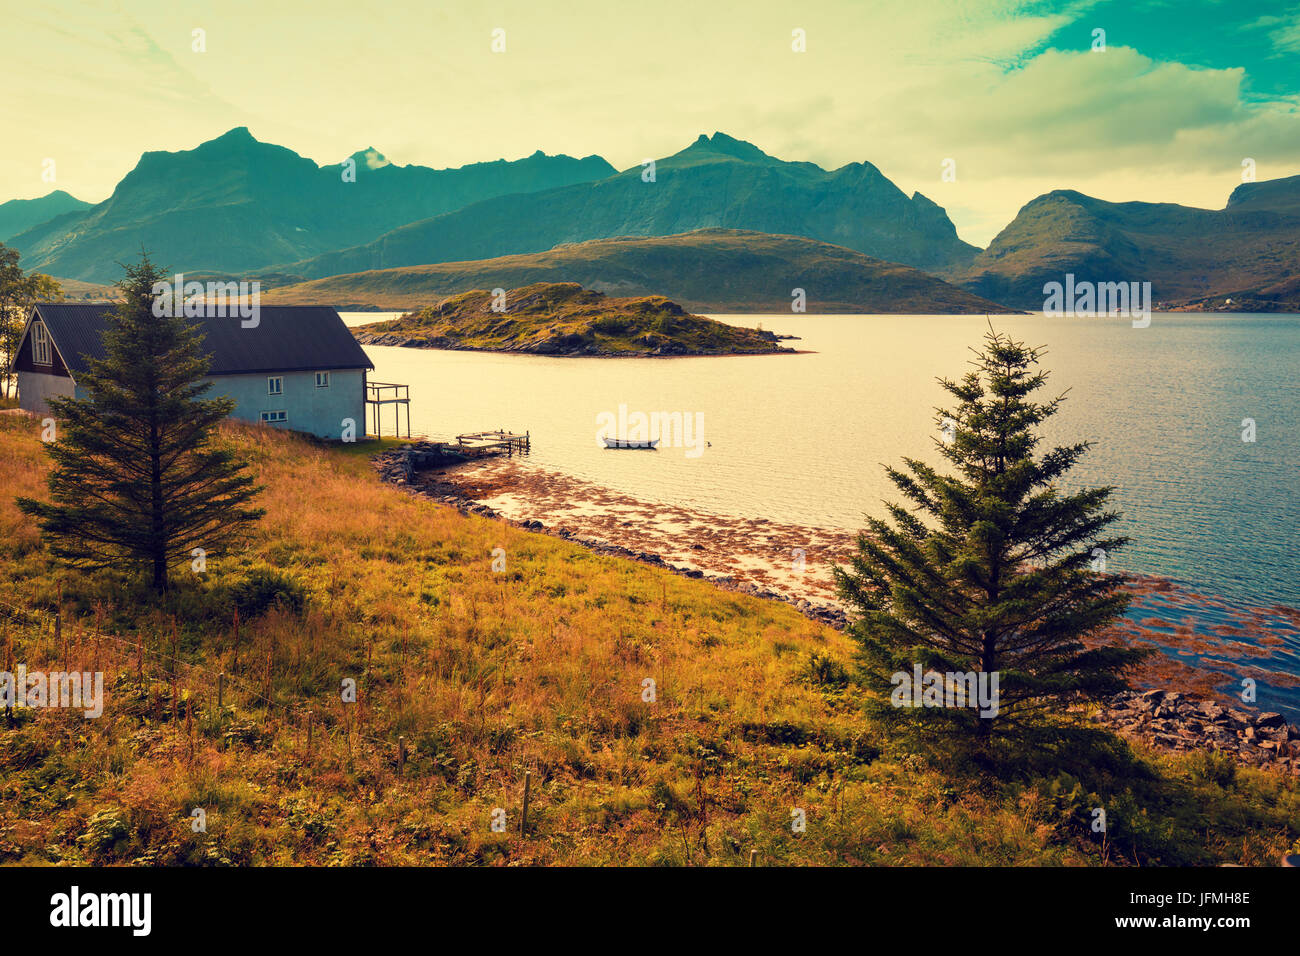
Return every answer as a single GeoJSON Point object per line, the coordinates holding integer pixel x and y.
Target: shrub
{"type": "Point", "coordinates": [263, 588]}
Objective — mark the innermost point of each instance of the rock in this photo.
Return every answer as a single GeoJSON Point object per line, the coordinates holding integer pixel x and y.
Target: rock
{"type": "Point", "coordinates": [1212, 711]}
{"type": "Point", "coordinates": [1270, 719]}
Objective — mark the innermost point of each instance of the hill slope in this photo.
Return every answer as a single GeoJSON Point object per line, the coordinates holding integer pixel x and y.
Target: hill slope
{"type": "Point", "coordinates": [19, 215]}
{"type": "Point", "coordinates": [540, 668]}
{"type": "Point", "coordinates": [238, 204]}
{"type": "Point", "coordinates": [1249, 248]}
{"type": "Point", "coordinates": [716, 182]}
{"type": "Point", "coordinates": [710, 270]}
{"type": "Point", "coordinates": [562, 318]}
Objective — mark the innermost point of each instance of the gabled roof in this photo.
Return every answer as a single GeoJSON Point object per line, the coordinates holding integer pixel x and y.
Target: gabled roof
{"type": "Point", "coordinates": [287, 338]}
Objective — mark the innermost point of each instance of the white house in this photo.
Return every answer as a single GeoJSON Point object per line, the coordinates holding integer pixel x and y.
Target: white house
{"type": "Point", "coordinates": [298, 368]}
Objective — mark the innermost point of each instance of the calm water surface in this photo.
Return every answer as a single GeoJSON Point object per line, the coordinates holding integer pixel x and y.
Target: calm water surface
{"type": "Point", "coordinates": [802, 438]}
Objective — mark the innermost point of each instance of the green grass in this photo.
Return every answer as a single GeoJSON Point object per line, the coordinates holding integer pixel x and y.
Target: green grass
{"type": "Point", "coordinates": [490, 675]}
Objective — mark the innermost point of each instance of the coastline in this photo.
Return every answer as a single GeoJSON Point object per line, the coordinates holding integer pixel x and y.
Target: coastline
{"type": "Point", "coordinates": [550, 349]}
{"type": "Point", "coordinates": [1184, 695]}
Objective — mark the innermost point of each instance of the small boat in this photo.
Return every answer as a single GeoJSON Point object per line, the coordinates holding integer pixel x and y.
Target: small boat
{"type": "Point", "coordinates": [631, 443]}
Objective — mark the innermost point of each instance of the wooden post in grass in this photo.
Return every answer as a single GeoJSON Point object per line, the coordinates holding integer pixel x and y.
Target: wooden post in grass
{"type": "Point", "coordinates": [753, 858]}
{"type": "Point", "coordinates": [58, 626]}
{"type": "Point", "coordinates": [401, 753]}
{"type": "Point", "coordinates": [523, 817]}
{"type": "Point", "coordinates": [221, 689]}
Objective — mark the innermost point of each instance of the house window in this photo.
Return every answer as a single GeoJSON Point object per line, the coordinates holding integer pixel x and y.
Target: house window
{"type": "Point", "coordinates": [322, 379]}
{"type": "Point", "coordinates": [275, 385]}
{"type": "Point", "coordinates": [275, 418]}
{"type": "Point", "coordinates": [41, 345]}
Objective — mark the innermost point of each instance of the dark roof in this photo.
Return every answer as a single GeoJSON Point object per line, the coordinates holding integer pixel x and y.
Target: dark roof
{"type": "Point", "coordinates": [287, 338]}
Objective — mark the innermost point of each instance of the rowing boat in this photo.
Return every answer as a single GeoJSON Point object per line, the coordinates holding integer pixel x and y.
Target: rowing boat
{"type": "Point", "coordinates": [631, 444]}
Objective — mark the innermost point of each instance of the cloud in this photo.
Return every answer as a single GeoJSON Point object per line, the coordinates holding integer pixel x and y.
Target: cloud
{"type": "Point", "coordinates": [1283, 30]}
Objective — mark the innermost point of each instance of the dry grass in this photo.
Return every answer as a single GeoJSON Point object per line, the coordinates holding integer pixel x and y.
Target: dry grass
{"type": "Point", "coordinates": [487, 676]}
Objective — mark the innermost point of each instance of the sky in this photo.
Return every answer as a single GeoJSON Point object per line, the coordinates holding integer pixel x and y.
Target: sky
{"type": "Point", "coordinates": [1022, 97]}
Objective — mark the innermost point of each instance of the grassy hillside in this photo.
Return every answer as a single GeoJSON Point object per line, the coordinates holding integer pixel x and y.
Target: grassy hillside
{"type": "Point", "coordinates": [549, 318]}
{"type": "Point", "coordinates": [489, 675]}
{"type": "Point", "coordinates": [1243, 251]}
{"type": "Point", "coordinates": [709, 270]}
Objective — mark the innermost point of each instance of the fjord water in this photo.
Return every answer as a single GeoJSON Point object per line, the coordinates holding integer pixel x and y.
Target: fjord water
{"type": "Point", "coordinates": [802, 438]}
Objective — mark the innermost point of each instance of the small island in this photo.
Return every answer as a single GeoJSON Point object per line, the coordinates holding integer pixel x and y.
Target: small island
{"type": "Point", "coordinates": [563, 318]}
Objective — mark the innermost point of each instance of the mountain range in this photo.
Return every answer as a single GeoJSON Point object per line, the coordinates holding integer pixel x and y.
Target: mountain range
{"type": "Point", "coordinates": [716, 182]}
{"type": "Point", "coordinates": [235, 204]}
{"type": "Point", "coordinates": [238, 206]}
{"type": "Point", "coordinates": [1249, 251]}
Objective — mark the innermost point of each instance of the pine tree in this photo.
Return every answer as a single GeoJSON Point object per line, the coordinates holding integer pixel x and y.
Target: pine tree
{"type": "Point", "coordinates": [991, 569]}
{"type": "Point", "coordinates": [136, 478]}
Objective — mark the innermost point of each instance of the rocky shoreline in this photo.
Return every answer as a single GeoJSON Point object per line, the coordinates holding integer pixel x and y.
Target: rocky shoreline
{"type": "Point", "coordinates": [1172, 721]}
{"type": "Point", "coordinates": [1162, 719]}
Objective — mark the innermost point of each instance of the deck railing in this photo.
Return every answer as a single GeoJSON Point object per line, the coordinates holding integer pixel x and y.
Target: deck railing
{"type": "Point", "coordinates": [379, 394]}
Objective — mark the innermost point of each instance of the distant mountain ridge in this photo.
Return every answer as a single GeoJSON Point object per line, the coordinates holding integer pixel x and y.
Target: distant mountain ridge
{"type": "Point", "coordinates": [709, 270]}
{"type": "Point", "coordinates": [236, 204]}
{"type": "Point", "coordinates": [19, 215]}
{"type": "Point", "coordinates": [1250, 249]}
{"type": "Point", "coordinates": [716, 182]}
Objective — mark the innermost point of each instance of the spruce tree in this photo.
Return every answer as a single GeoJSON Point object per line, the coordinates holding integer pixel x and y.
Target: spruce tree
{"type": "Point", "coordinates": [136, 477]}
{"type": "Point", "coordinates": [991, 568]}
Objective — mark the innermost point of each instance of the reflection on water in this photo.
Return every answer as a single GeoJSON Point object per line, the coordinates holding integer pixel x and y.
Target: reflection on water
{"type": "Point", "coordinates": [802, 438]}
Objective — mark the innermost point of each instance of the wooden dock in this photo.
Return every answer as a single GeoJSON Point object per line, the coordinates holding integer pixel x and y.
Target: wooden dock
{"type": "Point", "coordinates": [401, 464]}
{"type": "Point", "coordinates": [499, 442]}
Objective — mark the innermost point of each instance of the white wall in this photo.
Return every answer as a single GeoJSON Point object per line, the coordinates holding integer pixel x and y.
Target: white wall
{"type": "Point", "coordinates": [320, 411]}
{"type": "Point", "coordinates": [35, 387]}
